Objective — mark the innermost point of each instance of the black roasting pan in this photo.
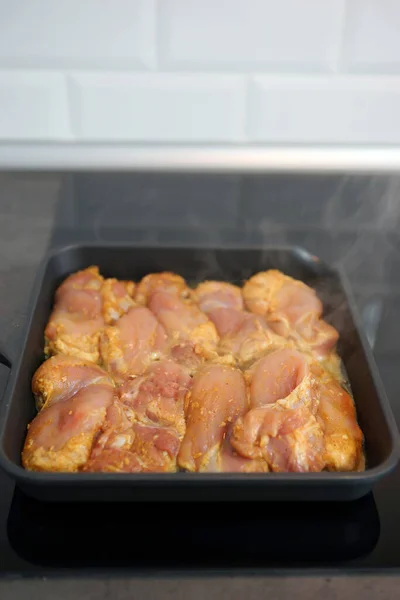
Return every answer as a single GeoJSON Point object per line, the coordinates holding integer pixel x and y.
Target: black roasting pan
{"type": "Point", "coordinates": [196, 264]}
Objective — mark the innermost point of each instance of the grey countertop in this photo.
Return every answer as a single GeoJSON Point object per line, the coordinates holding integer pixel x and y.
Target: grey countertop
{"type": "Point", "coordinates": [349, 220]}
{"type": "Point", "coordinates": [203, 588]}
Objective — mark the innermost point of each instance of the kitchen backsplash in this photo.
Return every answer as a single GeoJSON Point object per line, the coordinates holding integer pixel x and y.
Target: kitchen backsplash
{"type": "Point", "coordinates": [200, 71]}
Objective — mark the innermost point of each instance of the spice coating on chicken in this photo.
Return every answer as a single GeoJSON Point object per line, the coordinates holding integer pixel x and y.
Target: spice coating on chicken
{"type": "Point", "coordinates": [282, 374]}
{"type": "Point", "coordinates": [243, 336]}
{"type": "Point", "coordinates": [157, 397]}
{"type": "Point", "coordinates": [291, 309]}
{"type": "Point", "coordinates": [281, 426]}
{"type": "Point", "coordinates": [77, 320]}
{"type": "Point", "coordinates": [61, 376]}
{"type": "Point", "coordinates": [213, 379]}
{"type": "Point", "coordinates": [287, 439]}
{"type": "Point", "coordinates": [126, 445]}
{"type": "Point", "coordinates": [217, 398]}
{"type": "Point", "coordinates": [337, 416]}
{"type": "Point", "coordinates": [117, 299]}
{"type": "Point", "coordinates": [211, 295]}
{"type": "Point", "coordinates": [130, 346]}
{"type": "Point", "coordinates": [76, 396]}
{"type": "Point", "coordinates": [185, 322]}
{"type": "Point", "coordinates": [167, 282]}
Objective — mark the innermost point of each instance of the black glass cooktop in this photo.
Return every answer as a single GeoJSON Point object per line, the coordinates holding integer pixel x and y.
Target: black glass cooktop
{"type": "Point", "coordinates": [39, 538]}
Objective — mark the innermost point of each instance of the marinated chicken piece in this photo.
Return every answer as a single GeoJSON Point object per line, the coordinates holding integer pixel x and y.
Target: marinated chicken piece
{"type": "Point", "coordinates": [291, 309]}
{"type": "Point", "coordinates": [287, 439]}
{"type": "Point", "coordinates": [188, 355]}
{"type": "Point", "coordinates": [309, 421]}
{"type": "Point", "coordinates": [227, 460]}
{"type": "Point", "coordinates": [167, 282]}
{"type": "Point", "coordinates": [343, 436]}
{"type": "Point", "coordinates": [128, 446]}
{"type": "Point", "coordinates": [60, 437]}
{"type": "Point", "coordinates": [181, 401]}
{"type": "Point", "coordinates": [244, 336]}
{"type": "Point", "coordinates": [184, 321]}
{"type": "Point", "coordinates": [62, 376]}
{"type": "Point", "coordinates": [282, 375]}
{"type": "Point", "coordinates": [157, 397]}
{"type": "Point", "coordinates": [217, 398]}
{"type": "Point", "coordinates": [114, 460]}
{"type": "Point", "coordinates": [270, 292]}
{"type": "Point", "coordinates": [76, 322]}
{"type": "Point", "coordinates": [117, 299]}
{"type": "Point", "coordinates": [130, 346]}
{"type": "Point", "coordinates": [218, 294]}
{"type": "Point", "coordinates": [281, 426]}
{"type": "Point", "coordinates": [228, 321]}
{"type": "Point", "coordinates": [333, 366]}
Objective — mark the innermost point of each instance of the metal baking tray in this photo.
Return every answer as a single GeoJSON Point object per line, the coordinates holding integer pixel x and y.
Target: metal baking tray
{"type": "Point", "coordinates": [196, 264]}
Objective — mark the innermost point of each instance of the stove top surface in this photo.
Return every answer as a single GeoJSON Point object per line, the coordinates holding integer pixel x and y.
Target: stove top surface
{"type": "Point", "coordinates": [41, 539]}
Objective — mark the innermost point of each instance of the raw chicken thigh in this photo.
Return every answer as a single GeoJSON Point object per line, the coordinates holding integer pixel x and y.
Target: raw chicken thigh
{"type": "Point", "coordinates": [219, 378]}
{"type": "Point", "coordinates": [84, 303]}
{"type": "Point", "coordinates": [291, 309]}
{"type": "Point", "coordinates": [218, 397]}
{"type": "Point", "coordinates": [74, 396]}
{"type": "Point", "coordinates": [131, 345]}
{"type": "Point", "coordinates": [77, 319]}
{"type": "Point", "coordinates": [126, 445]}
{"type": "Point", "coordinates": [243, 336]}
{"type": "Point", "coordinates": [158, 396]}
{"type": "Point", "coordinates": [281, 426]}
{"type": "Point", "coordinates": [184, 322]}
{"type": "Point", "coordinates": [166, 282]}
{"type": "Point", "coordinates": [117, 299]}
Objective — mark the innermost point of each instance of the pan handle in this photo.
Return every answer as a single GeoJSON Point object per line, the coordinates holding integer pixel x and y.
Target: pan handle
{"type": "Point", "coordinates": [5, 368]}
{"type": "Point", "coordinates": [4, 360]}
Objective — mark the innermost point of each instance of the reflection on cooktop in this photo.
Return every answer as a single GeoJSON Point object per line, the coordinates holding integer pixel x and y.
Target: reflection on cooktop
{"type": "Point", "coordinates": [191, 535]}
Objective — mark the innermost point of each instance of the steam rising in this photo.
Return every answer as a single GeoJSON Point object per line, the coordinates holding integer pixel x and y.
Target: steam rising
{"type": "Point", "coordinates": [349, 222]}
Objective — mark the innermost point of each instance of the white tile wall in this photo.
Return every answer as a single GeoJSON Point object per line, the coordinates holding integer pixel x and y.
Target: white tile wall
{"type": "Point", "coordinates": [78, 33]}
{"type": "Point", "coordinates": [240, 35]}
{"type": "Point", "coordinates": [162, 107]}
{"type": "Point", "coordinates": [372, 41]}
{"type": "Point", "coordinates": [324, 110]}
{"type": "Point", "coordinates": [33, 106]}
{"type": "Point", "coordinates": [218, 71]}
